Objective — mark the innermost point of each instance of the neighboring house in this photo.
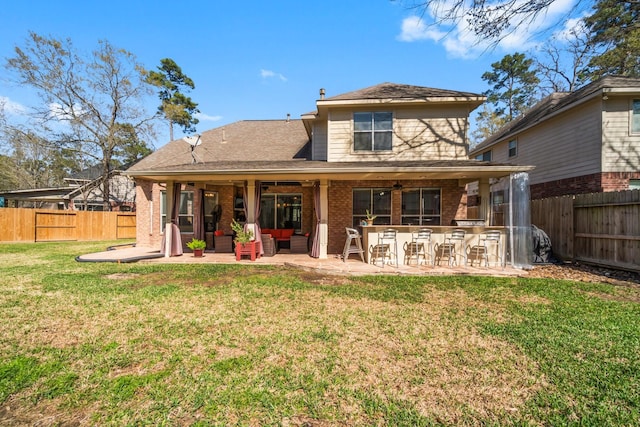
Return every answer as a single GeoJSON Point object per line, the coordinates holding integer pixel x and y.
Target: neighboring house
{"type": "Point", "coordinates": [82, 192]}
{"type": "Point", "coordinates": [399, 151]}
{"type": "Point", "coordinates": [581, 142]}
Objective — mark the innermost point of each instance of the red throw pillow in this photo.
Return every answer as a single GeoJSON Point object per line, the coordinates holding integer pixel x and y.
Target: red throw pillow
{"type": "Point", "coordinates": [218, 233]}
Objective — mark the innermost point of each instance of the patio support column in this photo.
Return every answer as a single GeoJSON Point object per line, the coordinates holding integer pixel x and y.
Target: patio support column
{"type": "Point", "coordinates": [167, 223]}
{"type": "Point", "coordinates": [251, 205]}
{"type": "Point", "coordinates": [484, 191]}
{"type": "Point", "coordinates": [324, 220]}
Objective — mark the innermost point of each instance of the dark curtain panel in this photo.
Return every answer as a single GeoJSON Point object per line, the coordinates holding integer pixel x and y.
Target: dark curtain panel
{"type": "Point", "coordinates": [198, 217]}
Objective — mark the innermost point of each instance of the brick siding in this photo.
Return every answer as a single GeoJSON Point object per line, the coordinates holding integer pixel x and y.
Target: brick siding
{"type": "Point", "coordinates": [593, 183]}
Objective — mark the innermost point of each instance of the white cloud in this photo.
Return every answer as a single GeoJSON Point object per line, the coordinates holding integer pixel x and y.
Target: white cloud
{"type": "Point", "coordinates": [572, 28]}
{"type": "Point", "coordinates": [459, 40]}
{"type": "Point", "coordinates": [12, 108]}
{"type": "Point", "coordinates": [268, 74]}
{"type": "Point", "coordinates": [207, 118]}
{"type": "Point", "coordinates": [414, 28]}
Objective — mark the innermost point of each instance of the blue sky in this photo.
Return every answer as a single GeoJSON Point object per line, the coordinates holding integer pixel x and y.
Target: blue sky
{"type": "Point", "coordinates": [265, 59]}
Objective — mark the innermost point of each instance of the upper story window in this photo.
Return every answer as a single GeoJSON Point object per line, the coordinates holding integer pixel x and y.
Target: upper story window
{"type": "Point", "coordinates": [513, 148]}
{"type": "Point", "coordinates": [485, 157]}
{"type": "Point", "coordinates": [635, 116]}
{"type": "Point", "coordinates": [372, 131]}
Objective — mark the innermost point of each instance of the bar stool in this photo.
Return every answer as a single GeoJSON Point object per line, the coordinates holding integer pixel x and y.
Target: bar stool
{"type": "Point", "coordinates": [353, 237]}
{"type": "Point", "coordinates": [420, 246]}
{"type": "Point", "coordinates": [388, 237]}
{"type": "Point", "coordinates": [449, 248]}
{"type": "Point", "coordinates": [490, 241]}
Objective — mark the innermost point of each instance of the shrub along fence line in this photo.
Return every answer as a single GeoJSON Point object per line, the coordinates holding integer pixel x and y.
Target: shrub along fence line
{"type": "Point", "coordinates": [598, 228]}
{"type": "Point", "coordinates": [47, 225]}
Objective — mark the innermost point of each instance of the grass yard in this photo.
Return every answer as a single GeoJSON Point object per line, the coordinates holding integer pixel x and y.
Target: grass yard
{"type": "Point", "coordinates": [179, 344]}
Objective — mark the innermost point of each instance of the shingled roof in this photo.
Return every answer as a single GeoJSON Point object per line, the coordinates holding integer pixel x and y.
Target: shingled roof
{"type": "Point", "coordinates": [400, 91]}
{"type": "Point", "coordinates": [554, 103]}
{"type": "Point", "coordinates": [243, 141]}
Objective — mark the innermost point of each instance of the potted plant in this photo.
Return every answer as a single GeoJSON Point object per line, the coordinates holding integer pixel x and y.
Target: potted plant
{"type": "Point", "coordinates": [197, 246]}
{"type": "Point", "coordinates": [241, 236]}
{"type": "Point", "coordinates": [370, 217]}
{"type": "Point", "coordinates": [245, 245]}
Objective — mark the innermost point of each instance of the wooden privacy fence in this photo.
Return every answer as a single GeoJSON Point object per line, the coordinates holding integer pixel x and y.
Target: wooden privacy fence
{"type": "Point", "coordinates": [599, 228]}
{"type": "Point", "coordinates": [43, 225]}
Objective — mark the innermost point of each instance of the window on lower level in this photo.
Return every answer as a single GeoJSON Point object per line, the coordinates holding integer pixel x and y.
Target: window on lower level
{"type": "Point", "coordinates": [635, 116]}
{"type": "Point", "coordinates": [281, 211]}
{"type": "Point", "coordinates": [485, 157]}
{"type": "Point", "coordinates": [513, 148]}
{"type": "Point", "coordinates": [421, 206]}
{"type": "Point", "coordinates": [634, 184]}
{"type": "Point", "coordinates": [185, 214]}
{"type": "Point", "coordinates": [375, 200]}
{"type": "Point", "coordinates": [372, 131]}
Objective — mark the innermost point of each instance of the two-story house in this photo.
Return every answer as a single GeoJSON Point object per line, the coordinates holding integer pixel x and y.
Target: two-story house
{"type": "Point", "coordinates": [587, 141]}
{"type": "Point", "coordinates": [397, 151]}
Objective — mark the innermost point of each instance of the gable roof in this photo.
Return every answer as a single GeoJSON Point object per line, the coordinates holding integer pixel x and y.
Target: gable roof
{"type": "Point", "coordinates": [243, 141]}
{"type": "Point", "coordinates": [558, 102]}
{"type": "Point", "coordinates": [282, 147]}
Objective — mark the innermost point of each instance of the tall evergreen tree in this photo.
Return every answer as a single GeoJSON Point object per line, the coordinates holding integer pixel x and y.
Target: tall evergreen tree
{"type": "Point", "coordinates": [175, 106]}
{"type": "Point", "coordinates": [513, 85]}
{"type": "Point", "coordinates": [615, 33]}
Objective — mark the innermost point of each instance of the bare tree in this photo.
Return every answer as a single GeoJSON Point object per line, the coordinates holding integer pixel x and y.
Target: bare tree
{"type": "Point", "coordinates": [488, 19]}
{"type": "Point", "coordinates": [562, 60]}
{"type": "Point", "coordinates": [85, 101]}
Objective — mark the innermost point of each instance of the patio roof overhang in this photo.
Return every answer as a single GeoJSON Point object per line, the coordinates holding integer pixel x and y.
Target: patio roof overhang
{"type": "Point", "coordinates": [464, 171]}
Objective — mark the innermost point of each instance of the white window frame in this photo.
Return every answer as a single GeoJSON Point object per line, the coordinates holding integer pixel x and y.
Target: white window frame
{"type": "Point", "coordinates": [373, 132]}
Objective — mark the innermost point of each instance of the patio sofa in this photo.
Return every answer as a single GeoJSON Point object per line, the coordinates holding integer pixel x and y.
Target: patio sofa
{"type": "Point", "coordinates": [285, 237]}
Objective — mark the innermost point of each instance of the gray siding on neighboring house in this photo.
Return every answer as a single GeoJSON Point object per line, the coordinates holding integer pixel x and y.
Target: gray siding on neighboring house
{"type": "Point", "coordinates": [436, 132]}
{"type": "Point", "coordinates": [568, 145]}
{"type": "Point", "coordinates": [621, 149]}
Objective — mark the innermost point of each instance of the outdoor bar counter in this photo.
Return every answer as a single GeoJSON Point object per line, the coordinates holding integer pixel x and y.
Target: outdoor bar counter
{"type": "Point", "coordinates": [371, 233]}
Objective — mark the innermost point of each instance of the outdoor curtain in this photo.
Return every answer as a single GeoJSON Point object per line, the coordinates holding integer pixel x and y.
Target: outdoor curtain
{"type": "Point", "coordinates": [315, 248]}
{"type": "Point", "coordinates": [175, 245]}
{"type": "Point", "coordinates": [198, 218]}
{"type": "Point", "coordinates": [256, 211]}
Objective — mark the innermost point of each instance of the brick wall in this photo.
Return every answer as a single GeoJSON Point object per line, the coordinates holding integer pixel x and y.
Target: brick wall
{"type": "Point", "coordinates": [454, 205]}
{"type": "Point", "coordinates": [592, 183]}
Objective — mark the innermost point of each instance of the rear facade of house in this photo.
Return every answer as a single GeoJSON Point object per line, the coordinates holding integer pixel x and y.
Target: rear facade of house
{"type": "Point", "coordinates": [397, 151]}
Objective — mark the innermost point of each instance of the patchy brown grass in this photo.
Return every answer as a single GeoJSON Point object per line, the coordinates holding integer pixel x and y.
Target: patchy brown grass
{"type": "Point", "coordinates": [428, 355]}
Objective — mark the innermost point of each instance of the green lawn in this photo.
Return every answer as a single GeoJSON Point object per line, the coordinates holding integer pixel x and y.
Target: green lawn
{"type": "Point", "coordinates": [151, 344]}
